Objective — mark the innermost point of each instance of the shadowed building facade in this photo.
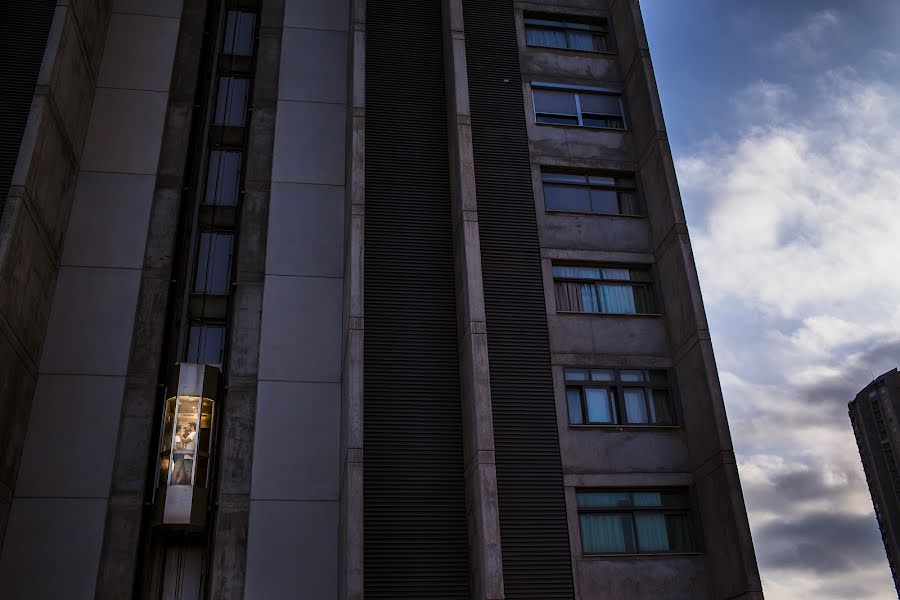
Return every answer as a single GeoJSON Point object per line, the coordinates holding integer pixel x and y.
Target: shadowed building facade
{"type": "Point", "coordinates": [875, 416]}
{"type": "Point", "coordinates": [369, 299]}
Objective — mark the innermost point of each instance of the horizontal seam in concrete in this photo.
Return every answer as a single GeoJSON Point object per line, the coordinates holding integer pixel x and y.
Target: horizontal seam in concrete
{"type": "Point", "coordinates": [82, 171]}
{"type": "Point", "coordinates": [306, 183]}
{"type": "Point", "coordinates": [640, 257]}
{"type": "Point", "coordinates": [335, 499]}
{"type": "Point", "coordinates": [127, 89]}
{"type": "Point", "coordinates": [268, 274]}
{"type": "Point", "coordinates": [261, 380]}
{"type": "Point", "coordinates": [18, 497]}
{"type": "Point", "coordinates": [280, 99]}
{"type": "Point", "coordinates": [45, 372]}
{"type": "Point", "coordinates": [136, 14]}
{"type": "Point", "coordinates": [630, 473]}
{"type": "Point", "coordinates": [109, 268]}
{"type": "Point", "coordinates": [347, 31]}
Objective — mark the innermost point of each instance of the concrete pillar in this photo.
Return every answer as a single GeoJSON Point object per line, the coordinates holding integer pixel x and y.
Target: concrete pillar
{"type": "Point", "coordinates": [351, 491]}
{"type": "Point", "coordinates": [478, 428]}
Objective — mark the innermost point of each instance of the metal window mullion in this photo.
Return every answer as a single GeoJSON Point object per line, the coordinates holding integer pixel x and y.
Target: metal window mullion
{"type": "Point", "coordinates": [578, 108]}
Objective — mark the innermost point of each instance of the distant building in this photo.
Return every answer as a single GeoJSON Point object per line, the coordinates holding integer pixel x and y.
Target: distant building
{"type": "Point", "coordinates": [875, 414]}
{"type": "Point", "coordinates": [320, 299]}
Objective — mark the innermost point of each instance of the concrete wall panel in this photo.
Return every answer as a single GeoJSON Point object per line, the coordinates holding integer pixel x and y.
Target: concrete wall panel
{"type": "Point", "coordinates": [635, 450]}
{"type": "Point", "coordinates": [607, 334]}
{"type": "Point", "coordinates": [51, 548]}
{"type": "Point", "coordinates": [295, 456]}
{"type": "Point", "coordinates": [90, 325]}
{"type": "Point", "coordinates": [156, 8]}
{"type": "Point", "coordinates": [109, 220]}
{"type": "Point", "coordinates": [139, 52]}
{"type": "Point", "coordinates": [73, 428]}
{"type": "Point", "coordinates": [306, 229]}
{"type": "Point", "coordinates": [313, 66]}
{"type": "Point", "coordinates": [91, 321]}
{"type": "Point", "coordinates": [301, 329]}
{"type": "Point", "coordinates": [672, 578]}
{"type": "Point", "coordinates": [125, 131]}
{"type": "Point", "coordinates": [309, 143]}
{"type": "Point", "coordinates": [292, 550]}
{"type": "Point", "coordinates": [317, 14]}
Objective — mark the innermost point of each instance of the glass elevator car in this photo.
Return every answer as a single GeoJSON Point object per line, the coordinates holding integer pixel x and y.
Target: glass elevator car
{"type": "Point", "coordinates": [185, 445]}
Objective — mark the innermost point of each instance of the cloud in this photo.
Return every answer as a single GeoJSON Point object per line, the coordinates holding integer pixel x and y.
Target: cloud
{"type": "Point", "coordinates": [795, 228]}
{"type": "Point", "coordinates": [764, 101]}
{"type": "Point", "coordinates": [821, 542]}
{"type": "Point", "coordinates": [808, 42]}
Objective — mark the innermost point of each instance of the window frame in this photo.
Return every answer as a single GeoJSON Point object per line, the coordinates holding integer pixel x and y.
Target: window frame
{"type": "Point", "coordinates": [616, 397]}
{"type": "Point", "coordinates": [649, 285]}
{"type": "Point", "coordinates": [597, 26]}
{"type": "Point", "coordinates": [200, 324]}
{"type": "Point", "coordinates": [223, 109]}
{"type": "Point", "coordinates": [687, 510]}
{"type": "Point", "coordinates": [577, 91]}
{"type": "Point", "coordinates": [229, 45]}
{"type": "Point", "coordinates": [214, 190]}
{"type": "Point", "coordinates": [589, 186]}
{"type": "Point", "coordinates": [208, 276]}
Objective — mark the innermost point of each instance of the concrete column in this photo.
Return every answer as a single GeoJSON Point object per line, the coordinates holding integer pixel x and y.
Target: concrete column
{"type": "Point", "coordinates": [351, 493]}
{"type": "Point", "coordinates": [292, 544]}
{"type": "Point", "coordinates": [65, 482]}
{"type": "Point", "coordinates": [478, 428]}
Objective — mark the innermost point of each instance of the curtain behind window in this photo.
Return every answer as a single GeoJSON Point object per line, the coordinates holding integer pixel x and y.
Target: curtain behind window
{"type": "Point", "coordinates": [606, 533]}
{"type": "Point", "coordinates": [545, 37]}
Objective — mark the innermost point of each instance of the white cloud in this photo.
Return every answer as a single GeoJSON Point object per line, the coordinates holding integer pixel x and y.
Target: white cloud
{"type": "Point", "coordinates": [809, 41]}
{"type": "Point", "coordinates": [795, 227]}
{"type": "Point", "coordinates": [764, 101]}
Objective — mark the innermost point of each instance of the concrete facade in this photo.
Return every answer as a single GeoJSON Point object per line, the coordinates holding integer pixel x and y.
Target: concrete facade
{"type": "Point", "coordinates": [92, 255]}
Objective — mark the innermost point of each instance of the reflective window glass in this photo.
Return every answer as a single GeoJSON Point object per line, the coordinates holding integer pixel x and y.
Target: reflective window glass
{"type": "Point", "coordinates": [231, 101]}
{"type": "Point", "coordinates": [239, 33]}
{"type": "Point", "coordinates": [223, 179]}
{"type": "Point", "coordinates": [214, 263]}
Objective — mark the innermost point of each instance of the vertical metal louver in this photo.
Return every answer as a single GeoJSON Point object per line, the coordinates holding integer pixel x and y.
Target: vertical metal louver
{"type": "Point", "coordinates": [24, 27]}
{"type": "Point", "coordinates": [415, 530]}
{"type": "Point", "coordinates": [533, 526]}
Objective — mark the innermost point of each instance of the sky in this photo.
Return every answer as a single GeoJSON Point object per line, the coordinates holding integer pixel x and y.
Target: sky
{"type": "Point", "coordinates": [784, 121]}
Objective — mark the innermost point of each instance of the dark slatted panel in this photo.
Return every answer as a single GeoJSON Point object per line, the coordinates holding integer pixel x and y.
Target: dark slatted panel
{"type": "Point", "coordinates": [535, 540]}
{"type": "Point", "coordinates": [414, 510]}
{"type": "Point", "coordinates": [24, 26]}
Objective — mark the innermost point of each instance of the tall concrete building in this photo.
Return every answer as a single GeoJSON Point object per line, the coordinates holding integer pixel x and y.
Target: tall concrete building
{"type": "Point", "coordinates": [369, 299]}
{"type": "Point", "coordinates": [875, 415]}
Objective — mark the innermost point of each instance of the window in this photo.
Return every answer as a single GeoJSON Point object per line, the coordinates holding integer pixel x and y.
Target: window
{"type": "Point", "coordinates": [559, 32]}
{"type": "Point", "coordinates": [603, 289]}
{"type": "Point", "coordinates": [231, 102]}
{"type": "Point", "coordinates": [223, 177]}
{"type": "Point", "coordinates": [575, 107]}
{"type": "Point", "coordinates": [213, 263]}
{"type": "Point", "coordinates": [634, 522]}
{"type": "Point", "coordinates": [239, 33]}
{"type": "Point", "coordinates": [602, 194]}
{"type": "Point", "coordinates": [206, 343]}
{"type": "Point", "coordinates": [619, 397]}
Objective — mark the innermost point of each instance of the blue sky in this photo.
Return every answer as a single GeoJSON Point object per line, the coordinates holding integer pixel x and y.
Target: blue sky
{"type": "Point", "coordinates": [784, 120]}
